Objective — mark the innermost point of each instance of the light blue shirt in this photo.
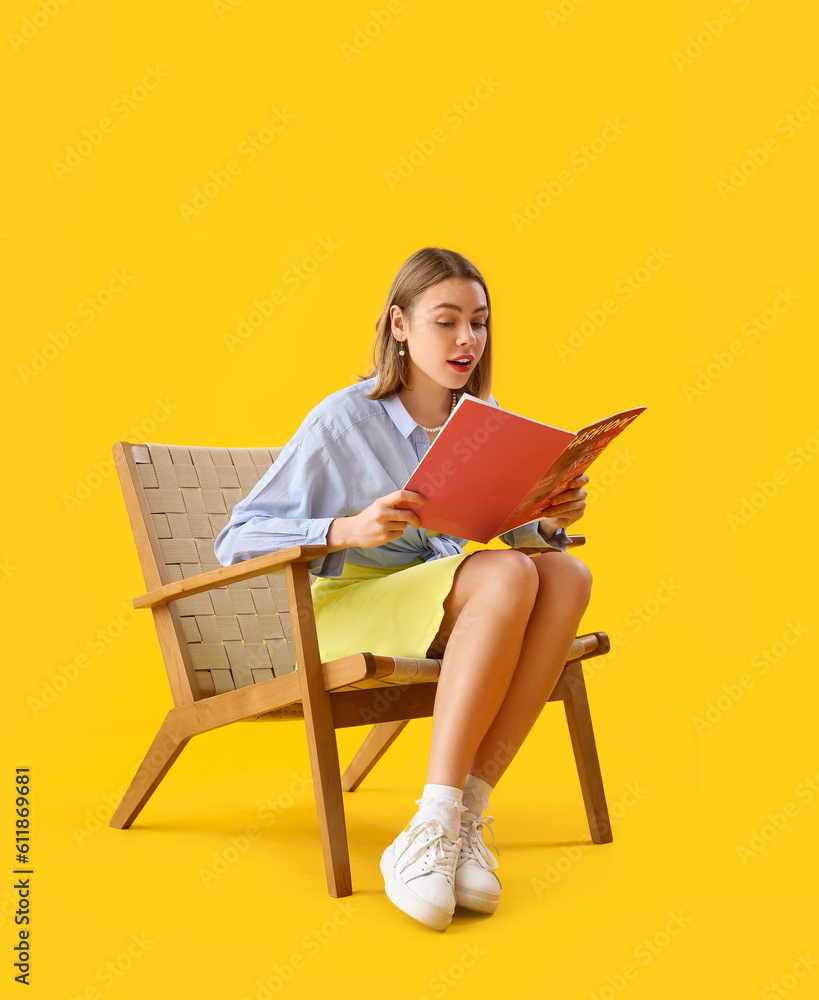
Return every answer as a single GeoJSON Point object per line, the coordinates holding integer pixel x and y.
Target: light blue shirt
{"type": "Point", "coordinates": [348, 452]}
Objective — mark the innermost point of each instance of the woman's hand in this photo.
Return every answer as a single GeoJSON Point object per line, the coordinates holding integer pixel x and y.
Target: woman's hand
{"type": "Point", "coordinates": [379, 523]}
{"type": "Point", "coordinates": [570, 505]}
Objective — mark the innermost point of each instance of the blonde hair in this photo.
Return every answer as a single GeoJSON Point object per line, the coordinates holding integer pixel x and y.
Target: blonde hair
{"type": "Point", "coordinates": [426, 267]}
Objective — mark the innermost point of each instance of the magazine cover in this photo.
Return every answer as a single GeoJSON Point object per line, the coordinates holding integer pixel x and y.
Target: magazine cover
{"type": "Point", "coordinates": [490, 470]}
{"type": "Point", "coordinates": [263, 734]}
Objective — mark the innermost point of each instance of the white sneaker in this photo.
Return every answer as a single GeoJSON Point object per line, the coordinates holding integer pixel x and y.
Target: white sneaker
{"type": "Point", "coordinates": [419, 872]}
{"type": "Point", "coordinates": [476, 885]}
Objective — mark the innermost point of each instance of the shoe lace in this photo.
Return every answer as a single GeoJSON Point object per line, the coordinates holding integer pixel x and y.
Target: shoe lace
{"type": "Point", "coordinates": [444, 849]}
{"type": "Point", "coordinates": [473, 845]}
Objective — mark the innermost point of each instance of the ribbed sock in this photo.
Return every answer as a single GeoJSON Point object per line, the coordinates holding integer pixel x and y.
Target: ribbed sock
{"type": "Point", "coordinates": [442, 801]}
{"type": "Point", "coordinates": [476, 795]}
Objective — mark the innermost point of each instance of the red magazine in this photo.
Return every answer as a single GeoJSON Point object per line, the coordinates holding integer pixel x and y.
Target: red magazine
{"type": "Point", "coordinates": [484, 472]}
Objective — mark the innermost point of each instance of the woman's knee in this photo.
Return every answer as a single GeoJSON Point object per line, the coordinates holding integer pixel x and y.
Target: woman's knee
{"type": "Point", "coordinates": [504, 575]}
{"type": "Point", "coordinates": [569, 572]}
{"type": "Point", "coordinates": [511, 572]}
{"type": "Point", "coordinates": [507, 577]}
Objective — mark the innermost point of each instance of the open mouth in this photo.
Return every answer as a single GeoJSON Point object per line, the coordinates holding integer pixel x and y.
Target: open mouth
{"type": "Point", "coordinates": [461, 366]}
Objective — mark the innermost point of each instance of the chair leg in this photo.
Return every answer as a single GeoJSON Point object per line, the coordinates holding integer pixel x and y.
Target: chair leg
{"type": "Point", "coordinates": [329, 803]}
{"type": "Point", "coordinates": [166, 747]}
{"type": "Point", "coordinates": [321, 732]}
{"type": "Point", "coordinates": [585, 755]}
{"type": "Point", "coordinates": [324, 764]}
{"type": "Point", "coordinates": [379, 739]}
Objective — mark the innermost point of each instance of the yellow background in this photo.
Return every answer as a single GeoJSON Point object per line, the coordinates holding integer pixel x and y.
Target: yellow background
{"type": "Point", "coordinates": [71, 570]}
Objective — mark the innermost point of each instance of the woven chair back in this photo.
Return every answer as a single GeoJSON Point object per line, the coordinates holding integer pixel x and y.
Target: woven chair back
{"type": "Point", "coordinates": [239, 634]}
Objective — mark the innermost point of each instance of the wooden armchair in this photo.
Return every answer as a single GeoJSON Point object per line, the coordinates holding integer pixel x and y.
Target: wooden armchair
{"type": "Point", "coordinates": [239, 643]}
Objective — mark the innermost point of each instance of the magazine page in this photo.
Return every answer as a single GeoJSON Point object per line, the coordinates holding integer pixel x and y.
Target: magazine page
{"type": "Point", "coordinates": [584, 448]}
{"type": "Point", "coordinates": [480, 464]}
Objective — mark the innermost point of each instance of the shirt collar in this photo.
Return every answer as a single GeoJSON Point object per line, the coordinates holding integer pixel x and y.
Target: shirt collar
{"type": "Point", "coordinates": [399, 415]}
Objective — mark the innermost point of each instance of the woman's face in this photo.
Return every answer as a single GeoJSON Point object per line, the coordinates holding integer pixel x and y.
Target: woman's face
{"type": "Point", "coordinates": [448, 321]}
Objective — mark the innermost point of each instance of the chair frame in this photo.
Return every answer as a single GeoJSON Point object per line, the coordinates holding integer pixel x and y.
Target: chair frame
{"type": "Point", "coordinates": [318, 692]}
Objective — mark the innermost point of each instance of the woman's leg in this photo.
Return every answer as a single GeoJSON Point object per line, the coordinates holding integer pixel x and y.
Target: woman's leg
{"type": "Point", "coordinates": [509, 622]}
{"type": "Point", "coordinates": [563, 596]}
{"type": "Point", "coordinates": [485, 618]}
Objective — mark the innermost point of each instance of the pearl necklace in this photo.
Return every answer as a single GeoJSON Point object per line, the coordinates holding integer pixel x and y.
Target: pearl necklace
{"type": "Point", "coordinates": [454, 404]}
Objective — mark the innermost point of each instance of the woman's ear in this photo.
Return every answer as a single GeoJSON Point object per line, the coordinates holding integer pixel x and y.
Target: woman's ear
{"type": "Point", "coordinates": [396, 319]}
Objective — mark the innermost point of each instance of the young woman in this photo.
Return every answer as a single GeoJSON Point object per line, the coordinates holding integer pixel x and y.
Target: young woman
{"type": "Point", "coordinates": [501, 622]}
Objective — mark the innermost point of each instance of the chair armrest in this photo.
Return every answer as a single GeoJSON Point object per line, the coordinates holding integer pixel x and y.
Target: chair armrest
{"type": "Point", "coordinates": [244, 570]}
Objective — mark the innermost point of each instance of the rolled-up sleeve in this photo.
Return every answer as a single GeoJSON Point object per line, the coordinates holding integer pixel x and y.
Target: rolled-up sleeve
{"type": "Point", "coordinates": [293, 503]}
{"type": "Point", "coordinates": [528, 535]}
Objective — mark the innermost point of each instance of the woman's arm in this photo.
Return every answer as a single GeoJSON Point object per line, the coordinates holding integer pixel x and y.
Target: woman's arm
{"type": "Point", "coordinates": [336, 535]}
{"type": "Point", "coordinates": [377, 524]}
{"type": "Point", "coordinates": [294, 503]}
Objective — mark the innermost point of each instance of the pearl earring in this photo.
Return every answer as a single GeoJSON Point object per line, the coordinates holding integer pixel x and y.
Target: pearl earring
{"type": "Point", "coordinates": [401, 352]}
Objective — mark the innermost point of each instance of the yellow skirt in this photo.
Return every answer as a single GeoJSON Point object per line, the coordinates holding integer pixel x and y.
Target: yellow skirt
{"type": "Point", "coordinates": [386, 611]}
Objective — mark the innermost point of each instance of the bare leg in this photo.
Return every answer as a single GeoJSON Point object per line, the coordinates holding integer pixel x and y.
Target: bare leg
{"type": "Point", "coordinates": [487, 610]}
{"type": "Point", "coordinates": [504, 646]}
{"type": "Point", "coordinates": [563, 596]}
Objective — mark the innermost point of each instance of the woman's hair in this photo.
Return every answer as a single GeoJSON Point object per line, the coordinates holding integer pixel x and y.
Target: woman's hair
{"type": "Point", "coordinates": [423, 269]}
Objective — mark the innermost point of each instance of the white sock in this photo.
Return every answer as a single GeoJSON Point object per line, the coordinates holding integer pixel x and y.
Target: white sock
{"type": "Point", "coordinates": [442, 801]}
{"type": "Point", "coordinates": [476, 795]}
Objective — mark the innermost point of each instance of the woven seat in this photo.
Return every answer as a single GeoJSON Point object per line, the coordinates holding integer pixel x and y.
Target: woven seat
{"type": "Point", "coordinates": [239, 642]}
